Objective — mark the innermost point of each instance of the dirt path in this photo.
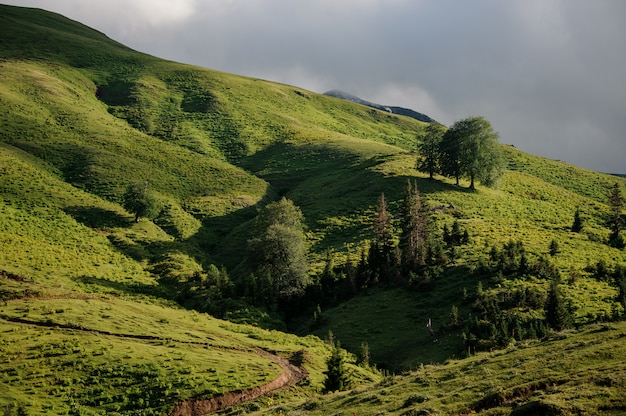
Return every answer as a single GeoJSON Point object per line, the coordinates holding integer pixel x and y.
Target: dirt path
{"type": "Point", "coordinates": [290, 375]}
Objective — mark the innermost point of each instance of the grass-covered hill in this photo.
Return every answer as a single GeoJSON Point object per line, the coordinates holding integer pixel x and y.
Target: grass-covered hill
{"type": "Point", "coordinates": [90, 319]}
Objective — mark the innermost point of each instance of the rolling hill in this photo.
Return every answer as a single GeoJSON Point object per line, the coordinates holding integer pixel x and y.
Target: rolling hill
{"type": "Point", "coordinates": [99, 314]}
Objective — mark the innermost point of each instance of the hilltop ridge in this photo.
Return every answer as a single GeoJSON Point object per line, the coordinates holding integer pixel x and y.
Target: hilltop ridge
{"type": "Point", "coordinates": [389, 108]}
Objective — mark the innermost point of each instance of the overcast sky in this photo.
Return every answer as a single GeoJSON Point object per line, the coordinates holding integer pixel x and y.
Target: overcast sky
{"type": "Point", "coordinates": [549, 75]}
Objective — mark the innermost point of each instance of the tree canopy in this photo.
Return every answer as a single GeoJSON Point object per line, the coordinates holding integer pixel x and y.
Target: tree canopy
{"type": "Point", "coordinates": [278, 250]}
{"type": "Point", "coordinates": [139, 201]}
{"type": "Point", "coordinates": [469, 149]}
{"type": "Point", "coordinates": [429, 149]}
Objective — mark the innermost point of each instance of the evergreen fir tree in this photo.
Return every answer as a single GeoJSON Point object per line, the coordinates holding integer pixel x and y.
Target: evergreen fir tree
{"type": "Point", "coordinates": [558, 313]}
{"type": "Point", "coordinates": [336, 375]}
{"type": "Point", "coordinates": [364, 354]}
{"type": "Point", "coordinates": [381, 259]}
{"type": "Point", "coordinates": [454, 316]}
{"type": "Point", "coordinates": [577, 226]}
{"type": "Point", "coordinates": [554, 248]}
{"type": "Point", "coordinates": [413, 230]}
{"type": "Point", "coordinates": [617, 204]}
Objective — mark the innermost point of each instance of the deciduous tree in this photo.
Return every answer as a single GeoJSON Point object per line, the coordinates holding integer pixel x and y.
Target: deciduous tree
{"type": "Point", "coordinates": [278, 251]}
{"type": "Point", "coordinates": [428, 148]}
{"type": "Point", "coordinates": [470, 149]}
{"type": "Point", "coordinates": [139, 201]}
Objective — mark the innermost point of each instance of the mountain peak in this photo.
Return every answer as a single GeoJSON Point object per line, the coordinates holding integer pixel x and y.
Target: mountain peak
{"type": "Point", "coordinates": [388, 108]}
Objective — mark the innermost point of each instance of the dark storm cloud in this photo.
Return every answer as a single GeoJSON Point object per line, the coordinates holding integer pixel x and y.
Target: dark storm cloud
{"type": "Point", "coordinates": [548, 74]}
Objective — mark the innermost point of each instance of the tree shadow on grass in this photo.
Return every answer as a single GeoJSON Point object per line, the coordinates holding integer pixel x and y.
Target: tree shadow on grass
{"type": "Point", "coordinates": [102, 285]}
{"type": "Point", "coordinates": [95, 217]}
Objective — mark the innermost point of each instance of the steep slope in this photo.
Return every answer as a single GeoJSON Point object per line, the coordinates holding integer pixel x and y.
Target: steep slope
{"type": "Point", "coordinates": [83, 116]}
{"type": "Point", "coordinates": [573, 373]}
{"type": "Point", "coordinates": [102, 116]}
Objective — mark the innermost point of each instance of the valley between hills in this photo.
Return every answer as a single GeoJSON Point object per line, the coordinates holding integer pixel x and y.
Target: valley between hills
{"type": "Point", "coordinates": [178, 240]}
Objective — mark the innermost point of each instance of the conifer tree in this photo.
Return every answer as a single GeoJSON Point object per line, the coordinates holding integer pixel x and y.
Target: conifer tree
{"type": "Point", "coordinates": [382, 222]}
{"type": "Point", "coordinates": [621, 285]}
{"type": "Point", "coordinates": [413, 237]}
{"type": "Point", "coordinates": [364, 354]}
{"type": "Point", "coordinates": [577, 226]}
{"type": "Point", "coordinates": [554, 248]}
{"type": "Point", "coordinates": [617, 205]}
{"type": "Point", "coordinates": [558, 313]}
{"type": "Point", "coordinates": [381, 255]}
{"type": "Point", "coordinates": [336, 375]}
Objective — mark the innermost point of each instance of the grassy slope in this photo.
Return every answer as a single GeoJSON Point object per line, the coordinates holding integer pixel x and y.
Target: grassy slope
{"type": "Point", "coordinates": [81, 352]}
{"type": "Point", "coordinates": [526, 207]}
{"type": "Point", "coordinates": [573, 373]}
{"type": "Point", "coordinates": [83, 116]}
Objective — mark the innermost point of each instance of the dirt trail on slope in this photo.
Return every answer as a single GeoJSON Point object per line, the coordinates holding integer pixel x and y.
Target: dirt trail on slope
{"type": "Point", "coordinates": [291, 374]}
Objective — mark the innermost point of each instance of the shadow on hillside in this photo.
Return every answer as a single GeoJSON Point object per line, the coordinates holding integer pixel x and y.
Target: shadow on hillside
{"type": "Point", "coordinates": [110, 286]}
{"type": "Point", "coordinates": [95, 217]}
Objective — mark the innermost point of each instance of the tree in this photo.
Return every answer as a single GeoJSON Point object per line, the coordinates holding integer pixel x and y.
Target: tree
{"type": "Point", "coordinates": [336, 375]}
{"type": "Point", "coordinates": [278, 251]}
{"type": "Point", "coordinates": [381, 253]}
{"type": "Point", "coordinates": [616, 201]}
{"type": "Point", "coordinates": [139, 201]}
{"type": "Point", "coordinates": [558, 313]}
{"type": "Point", "coordinates": [449, 154]}
{"type": "Point", "coordinates": [454, 316]}
{"type": "Point", "coordinates": [470, 149]}
{"type": "Point", "coordinates": [429, 149]}
{"type": "Point", "coordinates": [621, 285]}
{"type": "Point", "coordinates": [554, 248]}
{"type": "Point", "coordinates": [413, 236]}
{"type": "Point", "coordinates": [364, 354]}
{"type": "Point", "coordinates": [577, 226]}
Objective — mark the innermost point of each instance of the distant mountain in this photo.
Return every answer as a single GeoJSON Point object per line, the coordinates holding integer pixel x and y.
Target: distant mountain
{"type": "Point", "coordinates": [389, 108]}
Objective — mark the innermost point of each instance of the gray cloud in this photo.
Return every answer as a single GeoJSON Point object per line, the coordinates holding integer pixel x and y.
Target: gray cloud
{"type": "Point", "coordinates": [548, 74]}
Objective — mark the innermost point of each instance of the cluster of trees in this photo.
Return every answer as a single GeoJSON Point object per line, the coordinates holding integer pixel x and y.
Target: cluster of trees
{"type": "Point", "coordinates": [615, 220]}
{"type": "Point", "coordinates": [468, 149]}
{"type": "Point", "coordinates": [495, 318]}
{"type": "Point", "coordinates": [408, 251]}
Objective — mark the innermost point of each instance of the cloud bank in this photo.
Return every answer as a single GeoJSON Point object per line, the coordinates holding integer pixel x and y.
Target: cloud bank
{"type": "Point", "coordinates": [548, 74]}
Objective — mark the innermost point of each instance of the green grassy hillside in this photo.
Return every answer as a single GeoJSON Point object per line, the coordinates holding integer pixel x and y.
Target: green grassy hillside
{"type": "Point", "coordinates": [573, 373]}
{"type": "Point", "coordinates": [89, 319]}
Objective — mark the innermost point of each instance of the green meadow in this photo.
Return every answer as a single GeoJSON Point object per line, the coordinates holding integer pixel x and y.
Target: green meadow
{"type": "Point", "coordinates": [92, 317]}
